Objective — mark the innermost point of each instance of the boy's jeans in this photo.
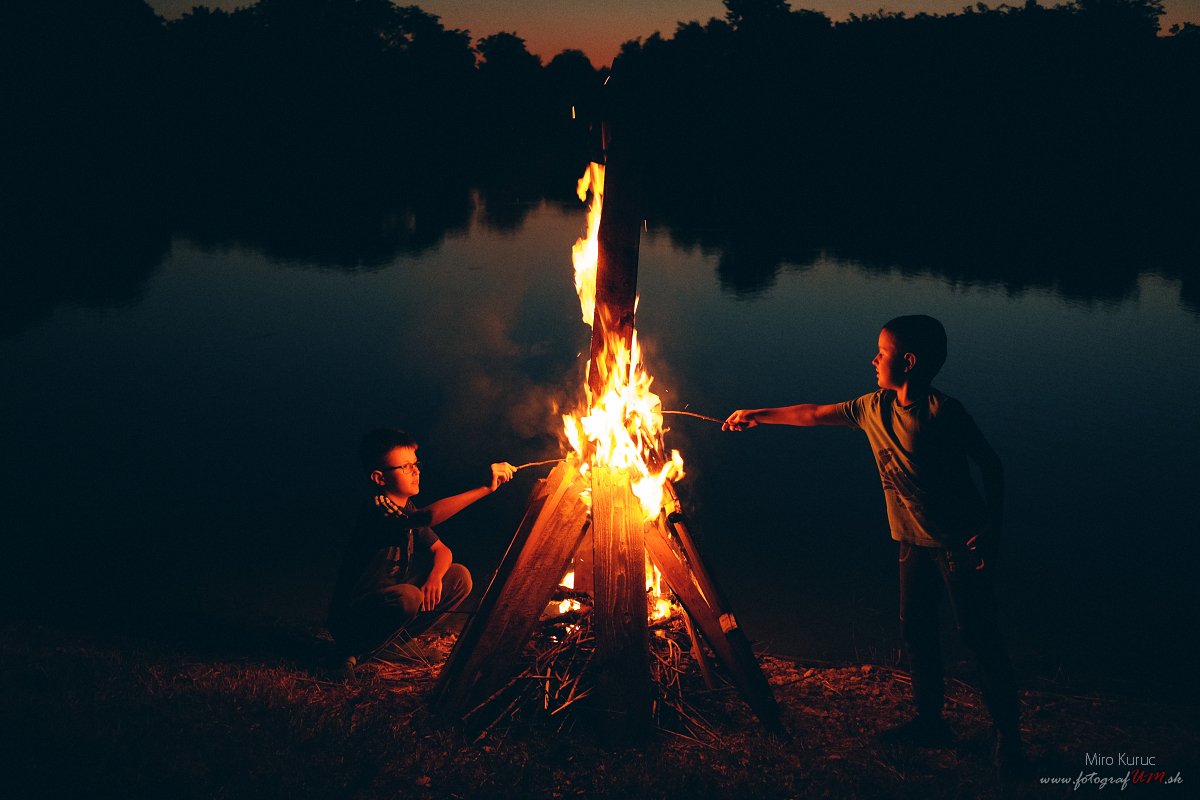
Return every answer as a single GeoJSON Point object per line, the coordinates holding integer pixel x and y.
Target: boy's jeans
{"type": "Point", "coordinates": [379, 618]}
{"type": "Point", "coordinates": [970, 585]}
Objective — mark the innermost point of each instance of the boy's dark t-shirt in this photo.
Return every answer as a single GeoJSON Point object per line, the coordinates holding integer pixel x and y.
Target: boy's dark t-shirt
{"type": "Point", "coordinates": [921, 451]}
{"type": "Point", "coordinates": [380, 551]}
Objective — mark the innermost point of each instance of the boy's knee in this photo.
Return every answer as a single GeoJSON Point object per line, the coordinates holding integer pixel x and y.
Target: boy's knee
{"type": "Point", "coordinates": [457, 582]}
{"type": "Point", "coordinates": [408, 597]}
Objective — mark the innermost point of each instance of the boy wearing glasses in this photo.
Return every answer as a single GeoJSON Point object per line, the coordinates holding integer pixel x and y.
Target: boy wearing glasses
{"type": "Point", "coordinates": [397, 578]}
{"type": "Point", "coordinates": [948, 532]}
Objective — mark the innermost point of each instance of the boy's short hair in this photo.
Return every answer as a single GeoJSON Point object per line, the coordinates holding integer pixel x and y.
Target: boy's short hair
{"type": "Point", "coordinates": [924, 337]}
{"type": "Point", "coordinates": [376, 444]}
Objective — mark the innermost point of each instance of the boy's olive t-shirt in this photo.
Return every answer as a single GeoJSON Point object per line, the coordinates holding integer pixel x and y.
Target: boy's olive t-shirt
{"type": "Point", "coordinates": [921, 451]}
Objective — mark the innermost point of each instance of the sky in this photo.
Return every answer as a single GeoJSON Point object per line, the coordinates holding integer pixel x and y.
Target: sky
{"type": "Point", "coordinates": [598, 27]}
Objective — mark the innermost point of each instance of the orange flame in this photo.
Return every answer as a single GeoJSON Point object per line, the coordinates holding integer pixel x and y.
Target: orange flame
{"type": "Point", "coordinates": [659, 600]}
{"type": "Point", "coordinates": [621, 426]}
{"type": "Point", "coordinates": [585, 255]}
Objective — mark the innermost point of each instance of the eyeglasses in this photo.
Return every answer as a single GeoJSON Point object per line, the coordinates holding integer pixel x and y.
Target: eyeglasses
{"type": "Point", "coordinates": [405, 468]}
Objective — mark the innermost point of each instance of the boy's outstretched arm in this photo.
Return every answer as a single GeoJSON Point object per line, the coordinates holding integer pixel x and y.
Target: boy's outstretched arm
{"type": "Point", "coordinates": [442, 510]}
{"type": "Point", "coordinates": [804, 415]}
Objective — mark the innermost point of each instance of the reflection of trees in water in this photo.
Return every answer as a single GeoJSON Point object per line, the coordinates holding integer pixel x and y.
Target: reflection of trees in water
{"type": "Point", "coordinates": [91, 258]}
{"type": "Point", "coordinates": [104, 255]}
{"type": "Point", "coordinates": [1025, 146]}
{"type": "Point", "coordinates": [749, 257]}
{"type": "Point", "coordinates": [338, 229]}
{"type": "Point", "coordinates": [107, 258]}
{"type": "Point", "coordinates": [1021, 146]}
{"type": "Point", "coordinates": [756, 242]}
{"type": "Point", "coordinates": [335, 229]}
{"type": "Point", "coordinates": [505, 206]}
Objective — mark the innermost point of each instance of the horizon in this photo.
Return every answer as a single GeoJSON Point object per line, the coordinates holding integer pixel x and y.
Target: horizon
{"type": "Point", "coordinates": [551, 26]}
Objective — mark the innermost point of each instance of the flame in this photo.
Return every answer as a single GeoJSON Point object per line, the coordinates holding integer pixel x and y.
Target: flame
{"type": "Point", "coordinates": [585, 255]}
{"type": "Point", "coordinates": [660, 601]}
{"type": "Point", "coordinates": [621, 425]}
{"type": "Point", "coordinates": [568, 605]}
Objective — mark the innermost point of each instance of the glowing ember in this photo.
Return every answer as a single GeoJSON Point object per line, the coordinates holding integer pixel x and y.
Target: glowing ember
{"type": "Point", "coordinates": [621, 425]}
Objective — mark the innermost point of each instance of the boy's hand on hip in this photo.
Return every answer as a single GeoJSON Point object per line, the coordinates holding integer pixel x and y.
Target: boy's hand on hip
{"type": "Point", "coordinates": [986, 545]}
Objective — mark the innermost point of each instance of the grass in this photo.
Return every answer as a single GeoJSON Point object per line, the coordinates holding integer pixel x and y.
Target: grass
{"type": "Point", "coordinates": [91, 715]}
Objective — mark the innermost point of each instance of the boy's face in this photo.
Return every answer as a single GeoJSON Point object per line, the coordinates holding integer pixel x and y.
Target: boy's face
{"type": "Point", "coordinates": [892, 365]}
{"type": "Point", "coordinates": [400, 477]}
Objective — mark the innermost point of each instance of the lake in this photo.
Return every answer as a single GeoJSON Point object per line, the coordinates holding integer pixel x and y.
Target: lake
{"type": "Point", "coordinates": [180, 418]}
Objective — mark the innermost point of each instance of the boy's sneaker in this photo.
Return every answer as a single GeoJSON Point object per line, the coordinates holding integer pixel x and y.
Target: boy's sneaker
{"type": "Point", "coordinates": [921, 731]}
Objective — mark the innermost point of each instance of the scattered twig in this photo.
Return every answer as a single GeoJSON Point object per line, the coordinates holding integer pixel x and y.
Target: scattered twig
{"type": "Point", "coordinates": [709, 745]}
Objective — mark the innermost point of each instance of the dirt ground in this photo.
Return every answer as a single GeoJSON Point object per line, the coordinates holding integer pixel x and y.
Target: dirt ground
{"type": "Point", "coordinates": [90, 715]}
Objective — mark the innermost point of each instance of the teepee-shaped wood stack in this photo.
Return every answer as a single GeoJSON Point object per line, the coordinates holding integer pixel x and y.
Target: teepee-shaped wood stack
{"type": "Point", "coordinates": [608, 545]}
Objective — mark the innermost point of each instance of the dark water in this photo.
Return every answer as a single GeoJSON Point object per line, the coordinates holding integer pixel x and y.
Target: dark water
{"type": "Point", "coordinates": [179, 420]}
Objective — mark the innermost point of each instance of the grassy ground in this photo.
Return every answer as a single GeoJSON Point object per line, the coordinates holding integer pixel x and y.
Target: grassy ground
{"type": "Point", "coordinates": [91, 715]}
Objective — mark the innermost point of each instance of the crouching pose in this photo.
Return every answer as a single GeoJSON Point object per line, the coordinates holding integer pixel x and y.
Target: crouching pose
{"type": "Point", "coordinates": [397, 578]}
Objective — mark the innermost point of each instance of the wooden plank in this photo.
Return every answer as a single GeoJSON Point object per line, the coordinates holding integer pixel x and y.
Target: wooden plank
{"type": "Point", "coordinates": [677, 523]}
{"type": "Point", "coordinates": [485, 656]}
{"type": "Point", "coordinates": [623, 696]}
{"type": "Point", "coordinates": [618, 240]}
{"type": "Point", "coordinates": [468, 638]}
{"type": "Point", "coordinates": [716, 623]}
{"type": "Point", "coordinates": [701, 659]}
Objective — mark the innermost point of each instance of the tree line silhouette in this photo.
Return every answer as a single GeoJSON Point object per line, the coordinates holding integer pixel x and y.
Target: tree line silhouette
{"type": "Point", "coordinates": [283, 91]}
{"type": "Point", "coordinates": [1079, 92]}
{"type": "Point", "coordinates": [1028, 114]}
{"type": "Point", "coordinates": [1073, 124]}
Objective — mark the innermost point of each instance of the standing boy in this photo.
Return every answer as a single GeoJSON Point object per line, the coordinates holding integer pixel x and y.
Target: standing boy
{"type": "Point", "coordinates": [398, 579]}
{"type": "Point", "coordinates": [948, 533]}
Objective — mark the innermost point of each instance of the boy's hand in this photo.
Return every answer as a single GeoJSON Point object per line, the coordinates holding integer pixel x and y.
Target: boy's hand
{"type": "Point", "coordinates": [433, 594]}
{"type": "Point", "coordinates": [501, 473]}
{"type": "Point", "coordinates": [739, 420]}
{"type": "Point", "coordinates": [986, 545]}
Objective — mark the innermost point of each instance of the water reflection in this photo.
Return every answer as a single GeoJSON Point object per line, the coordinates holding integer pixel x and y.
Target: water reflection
{"type": "Point", "coordinates": [104, 258]}
{"type": "Point", "coordinates": [214, 412]}
{"type": "Point", "coordinates": [757, 240]}
{"type": "Point", "coordinates": [89, 258]}
{"type": "Point", "coordinates": [338, 230]}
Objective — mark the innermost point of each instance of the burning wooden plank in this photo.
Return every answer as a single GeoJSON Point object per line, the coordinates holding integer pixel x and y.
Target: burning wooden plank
{"type": "Point", "coordinates": [485, 655]}
{"type": "Point", "coordinates": [618, 240]}
{"type": "Point", "coordinates": [619, 608]}
{"type": "Point", "coordinates": [671, 548]}
{"type": "Point", "coordinates": [618, 436]}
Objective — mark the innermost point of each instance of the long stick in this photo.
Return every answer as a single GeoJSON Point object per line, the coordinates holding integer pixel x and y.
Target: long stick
{"type": "Point", "coordinates": [537, 463]}
{"type": "Point", "coordinates": [697, 416]}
